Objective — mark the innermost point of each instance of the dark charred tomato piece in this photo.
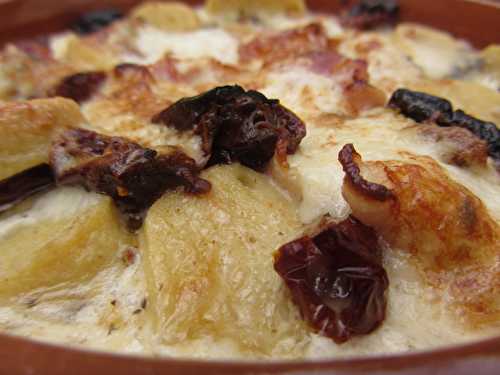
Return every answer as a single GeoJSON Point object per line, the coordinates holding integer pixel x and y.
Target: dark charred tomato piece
{"type": "Point", "coordinates": [369, 14]}
{"type": "Point", "coordinates": [423, 107]}
{"type": "Point", "coordinates": [25, 184]}
{"type": "Point", "coordinates": [237, 125]}
{"type": "Point", "coordinates": [79, 87]}
{"type": "Point", "coordinates": [336, 279]}
{"type": "Point", "coordinates": [135, 177]}
{"type": "Point", "coordinates": [94, 21]}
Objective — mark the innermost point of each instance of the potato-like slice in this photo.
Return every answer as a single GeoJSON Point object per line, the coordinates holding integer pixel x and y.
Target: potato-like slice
{"type": "Point", "coordinates": [66, 235]}
{"type": "Point", "coordinates": [82, 55]}
{"type": "Point", "coordinates": [490, 71]}
{"type": "Point", "coordinates": [436, 52]}
{"type": "Point", "coordinates": [491, 57]}
{"type": "Point", "coordinates": [209, 263]}
{"type": "Point", "coordinates": [250, 7]}
{"type": "Point", "coordinates": [171, 16]}
{"type": "Point", "coordinates": [27, 129]}
{"type": "Point", "coordinates": [473, 98]}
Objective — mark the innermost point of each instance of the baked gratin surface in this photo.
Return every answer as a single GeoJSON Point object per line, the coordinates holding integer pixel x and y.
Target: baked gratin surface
{"type": "Point", "coordinates": [400, 157]}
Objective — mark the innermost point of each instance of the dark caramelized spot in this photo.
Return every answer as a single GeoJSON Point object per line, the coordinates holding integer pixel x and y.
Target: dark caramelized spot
{"type": "Point", "coordinates": [369, 14]}
{"type": "Point", "coordinates": [79, 87]}
{"type": "Point", "coordinates": [125, 69]}
{"type": "Point", "coordinates": [336, 279]}
{"type": "Point", "coordinates": [285, 45]}
{"type": "Point", "coordinates": [135, 177]}
{"type": "Point", "coordinates": [23, 185]}
{"type": "Point", "coordinates": [423, 107]}
{"type": "Point", "coordinates": [487, 131]}
{"type": "Point", "coordinates": [237, 125]}
{"type": "Point", "coordinates": [461, 147]}
{"type": "Point", "coordinates": [94, 21]}
{"type": "Point", "coordinates": [350, 159]}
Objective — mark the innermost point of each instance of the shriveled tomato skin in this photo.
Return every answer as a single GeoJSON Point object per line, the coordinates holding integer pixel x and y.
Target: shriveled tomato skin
{"type": "Point", "coordinates": [336, 279]}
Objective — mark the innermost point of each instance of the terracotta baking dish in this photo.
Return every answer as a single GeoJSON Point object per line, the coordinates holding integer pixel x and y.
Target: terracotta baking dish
{"type": "Point", "coordinates": [476, 21]}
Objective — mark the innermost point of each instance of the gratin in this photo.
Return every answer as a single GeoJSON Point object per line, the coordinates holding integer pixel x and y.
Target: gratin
{"type": "Point", "coordinates": [250, 179]}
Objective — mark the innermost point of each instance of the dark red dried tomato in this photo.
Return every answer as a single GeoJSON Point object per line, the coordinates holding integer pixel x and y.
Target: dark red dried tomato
{"type": "Point", "coordinates": [23, 185]}
{"type": "Point", "coordinates": [237, 125]}
{"type": "Point", "coordinates": [369, 14]}
{"type": "Point", "coordinates": [336, 279]}
{"type": "Point", "coordinates": [135, 177]}
{"type": "Point", "coordinates": [79, 87]}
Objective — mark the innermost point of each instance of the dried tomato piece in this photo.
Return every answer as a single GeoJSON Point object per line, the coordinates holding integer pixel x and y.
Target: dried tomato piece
{"type": "Point", "coordinates": [237, 125]}
{"type": "Point", "coordinates": [79, 87]}
{"type": "Point", "coordinates": [25, 184]}
{"type": "Point", "coordinates": [420, 106]}
{"type": "Point", "coordinates": [369, 14]}
{"type": "Point", "coordinates": [135, 177]}
{"type": "Point", "coordinates": [94, 21]}
{"type": "Point", "coordinates": [423, 107]}
{"type": "Point", "coordinates": [336, 279]}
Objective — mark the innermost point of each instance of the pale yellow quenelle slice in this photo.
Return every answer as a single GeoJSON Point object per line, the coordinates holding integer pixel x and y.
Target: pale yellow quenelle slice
{"type": "Point", "coordinates": [27, 129]}
{"type": "Point", "coordinates": [471, 97]}
{"type": "Point", "coordinates": [209, 266]}
{"type": "Point", "coordinates": [63, 236]}
{"type": "Point", "coordinates": [251, 7]}
{"type": "Point", "coordinates": [171, 16]}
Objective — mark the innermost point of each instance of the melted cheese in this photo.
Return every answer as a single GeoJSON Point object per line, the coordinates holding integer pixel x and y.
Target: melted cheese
{"type": "Point", "coordinates": [304, 91]}
{"type": "Point", "coordinates": [153, 44]}
{"type": "Point", "coordinates": [379, 135]}
{"type": "Point", "coordinates": [63, 204]}
{"type": "Point", "coordinates": [437, 53]}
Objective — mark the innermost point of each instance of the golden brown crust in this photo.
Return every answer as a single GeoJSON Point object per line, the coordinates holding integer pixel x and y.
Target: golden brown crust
{"type": "Point", "coordinates": [22, 73]}
{"type": "Point", "coordinates": [27, 129]}
{"type": "Point", "coordinates": [446, 229]}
